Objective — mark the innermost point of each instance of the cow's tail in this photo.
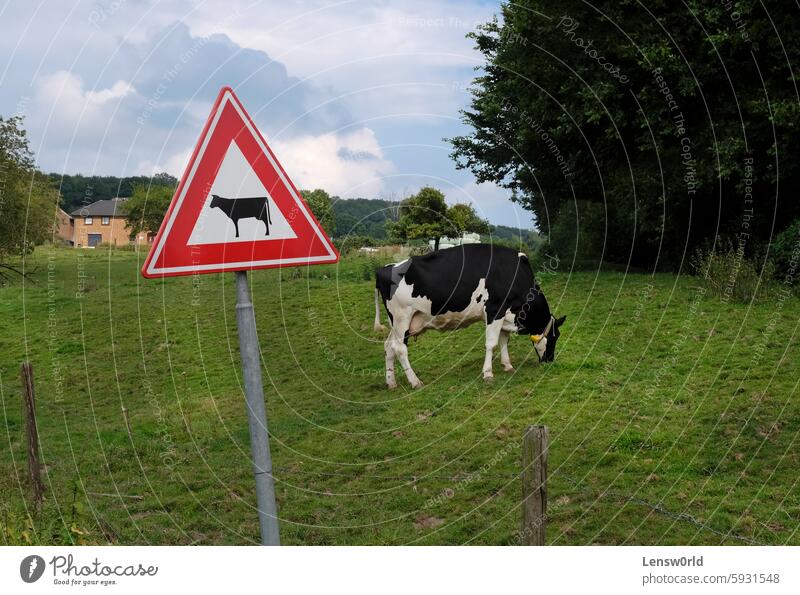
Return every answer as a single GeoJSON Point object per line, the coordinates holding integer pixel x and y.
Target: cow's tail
{"type": "Point", "coordinates": [378, 327]}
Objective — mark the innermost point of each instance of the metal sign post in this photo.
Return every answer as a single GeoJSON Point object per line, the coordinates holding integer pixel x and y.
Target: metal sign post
{"type": "Point", "coordinates": [256, 412]}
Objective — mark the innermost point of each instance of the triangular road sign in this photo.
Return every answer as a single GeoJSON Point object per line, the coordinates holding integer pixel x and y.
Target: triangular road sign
{"type": "Point", "coordinates": [235, 208]}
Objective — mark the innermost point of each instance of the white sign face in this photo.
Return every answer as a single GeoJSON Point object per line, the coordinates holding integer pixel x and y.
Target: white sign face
{"type": "Point", "coordinates": [236, 179]}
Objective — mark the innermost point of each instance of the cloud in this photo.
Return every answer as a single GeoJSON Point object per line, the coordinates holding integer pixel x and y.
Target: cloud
{"type": "Point", "coordinates": [345, 164]}
{"type": "Point", "coordinates": [117, 90]}
{"type": "Point", "coordinates": [145, 106]}
{"type": "Point", "coordinates": [402, 56]}
{"type": "Point", "coordinates": [67, 112]}
{"type": "Point", "coordinates": [176, 70]}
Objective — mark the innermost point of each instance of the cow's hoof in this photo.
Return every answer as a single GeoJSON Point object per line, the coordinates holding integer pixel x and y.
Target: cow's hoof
{"type": "Point", "coordinates": [508, 368]}
{"type": "Point", "coordinates": [488, 379]}
{"type": "Point", "coordinates": [418, 384]}
{"type": "Point", "coordinates": [391, 386]}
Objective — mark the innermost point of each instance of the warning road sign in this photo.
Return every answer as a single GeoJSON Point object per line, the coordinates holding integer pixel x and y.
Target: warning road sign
{"type": "Point", "coordinates": [235, 208]}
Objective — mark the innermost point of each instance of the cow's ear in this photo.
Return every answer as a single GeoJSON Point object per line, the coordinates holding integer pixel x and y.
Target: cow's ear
{"type": "Point", "coordinates": [561, 320]}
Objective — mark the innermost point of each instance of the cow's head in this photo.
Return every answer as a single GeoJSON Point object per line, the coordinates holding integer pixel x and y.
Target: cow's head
{"type": "Point", "coordinates": [536, 320]}
{"type": "Point", "coordinates": [215, 201]}
{"type": "Point", "coordinates": [545, 343]}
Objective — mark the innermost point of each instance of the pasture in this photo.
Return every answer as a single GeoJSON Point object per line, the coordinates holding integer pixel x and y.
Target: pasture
{"type": "Point", "coordinates": [674, 415]}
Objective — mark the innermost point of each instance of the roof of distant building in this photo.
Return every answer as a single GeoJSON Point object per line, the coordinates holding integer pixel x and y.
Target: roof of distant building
{"type": "Point", "coordinates": [101, 208]}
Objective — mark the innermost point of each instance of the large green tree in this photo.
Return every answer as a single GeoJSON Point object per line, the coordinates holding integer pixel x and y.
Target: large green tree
{"type": "Point", "coordinates": [462, 218]}
{"type": "Point", "coordinates": [426, 216]}
{"type": "Point", "coordinates": [28, 202]}
{"type": "Point", "coordinates": [148, 203]}
{"type": "Point", "coordinates": [636, 130]}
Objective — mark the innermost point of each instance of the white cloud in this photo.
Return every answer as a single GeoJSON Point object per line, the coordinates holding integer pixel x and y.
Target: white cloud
{"type": "Point", "coordinates": [346, 164]}
{"type": "Point", "coordinates": [66, 109]}
{"type": "Point", "coordinates": [399, 57]}
{"type": "Point", "coordinates": [319, 35]}
{"type": "Point", "coordinates": [117, 91]}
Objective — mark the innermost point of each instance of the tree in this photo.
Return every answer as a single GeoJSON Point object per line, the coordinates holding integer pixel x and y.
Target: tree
{"type": "Point", "coordinates": [422, 216]}
{"type": "Point", "coordinates": [148, 204]}
{"type": "Point", "coordinates": [425, 216]}
{"type": "Point", "coordinates": [319, 202]}
{"type": "Point", "coordinates": [463, 219]}
{"type": "Point", "coordinates": [28, 202]}
{"type": "Point", "coordinates": [665, 118]}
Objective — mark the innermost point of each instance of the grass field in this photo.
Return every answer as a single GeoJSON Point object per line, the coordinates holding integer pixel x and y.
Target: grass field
{"type": "Point", "coordinates": [674, 416]}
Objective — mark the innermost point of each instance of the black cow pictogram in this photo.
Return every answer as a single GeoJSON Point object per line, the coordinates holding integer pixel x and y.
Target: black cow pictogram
{"type": "Point", "coordinates": [244, 208]}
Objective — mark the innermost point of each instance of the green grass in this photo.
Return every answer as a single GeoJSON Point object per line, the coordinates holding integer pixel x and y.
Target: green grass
{"type": "Point", "coordinates": [674, 416]}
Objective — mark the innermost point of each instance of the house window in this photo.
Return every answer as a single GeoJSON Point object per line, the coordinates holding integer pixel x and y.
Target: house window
{"type": "Point", "coordinates": [87, 220]}
{"type": "Point", "coordinates": [106, 220]}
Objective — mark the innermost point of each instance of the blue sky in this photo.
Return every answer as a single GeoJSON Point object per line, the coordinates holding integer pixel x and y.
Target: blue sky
{"type": "Point", "coordinates": [354, 97]}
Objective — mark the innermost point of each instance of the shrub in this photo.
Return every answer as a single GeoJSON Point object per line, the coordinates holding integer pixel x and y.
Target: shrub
{"type": "Point", "coordinates": [785, 254]}
{"type": "Point", "coordinates": [368, 267]}
{"type": "Point", "coordinates": [729, 275]}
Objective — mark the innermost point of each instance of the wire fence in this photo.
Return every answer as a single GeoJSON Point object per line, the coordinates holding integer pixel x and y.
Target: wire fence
{"type": "Point", "coordinates": [578, 486]}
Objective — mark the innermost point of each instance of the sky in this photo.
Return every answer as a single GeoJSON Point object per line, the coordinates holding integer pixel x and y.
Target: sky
{"type": "Point", "coordinates": [354, 97]}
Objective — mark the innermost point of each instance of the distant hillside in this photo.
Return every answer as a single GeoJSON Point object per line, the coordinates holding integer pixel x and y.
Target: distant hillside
{"type": "Point", "coordinates": [363, 217]}
{"type": "Point", "coordinates": [527, 236]}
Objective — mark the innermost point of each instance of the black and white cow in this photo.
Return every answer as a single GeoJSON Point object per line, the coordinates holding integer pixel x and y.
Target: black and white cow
{"type": "Point", "coordinates": [452, 288]}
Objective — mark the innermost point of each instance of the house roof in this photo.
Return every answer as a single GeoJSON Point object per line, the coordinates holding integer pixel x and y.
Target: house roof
{"type": "Point", "coordinates": [101, 208]}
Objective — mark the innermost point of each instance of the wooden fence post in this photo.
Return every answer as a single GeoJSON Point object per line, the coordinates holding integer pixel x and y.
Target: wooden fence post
{"type": "Point", "coordinates": [535, 445]}
{"type": "Point", "coordinates": [29, 403]}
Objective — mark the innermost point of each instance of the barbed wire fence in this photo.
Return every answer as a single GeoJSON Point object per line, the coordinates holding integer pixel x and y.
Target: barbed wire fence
{"type": "Point", "coordinates": [577, 486]}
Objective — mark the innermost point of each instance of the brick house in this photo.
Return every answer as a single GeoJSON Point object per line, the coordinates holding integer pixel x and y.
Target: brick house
{"type": "Point", "coordinates": [104, 222]}
{"type": "Point", "coordinates": [63, 227]}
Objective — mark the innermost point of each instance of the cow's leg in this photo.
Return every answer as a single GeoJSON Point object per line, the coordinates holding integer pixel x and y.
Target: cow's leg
{"type": "Point", "coordinates": [493, 330]}
{"type": "Point", "coordinates": [236, 225]}
{"type": "Point", "coordinates": [266, 224]}
{"type": "Point", "coordinates": [402, 354]}
{"type": "Point", "coordinates": [506, 361]}
{"type": "Point", "coordinates": [389, 348]}
{"type": "Point", "coordinates": [397, 335]}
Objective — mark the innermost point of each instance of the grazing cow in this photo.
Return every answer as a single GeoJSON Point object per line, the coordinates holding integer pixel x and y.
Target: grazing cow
{"type": "Point", "coordinates": [244, 208]}
{"type": "Point", "coordinates": [452, 288]}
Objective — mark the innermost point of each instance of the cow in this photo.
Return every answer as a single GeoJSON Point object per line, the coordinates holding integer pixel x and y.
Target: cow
{"type": "Point", "coordinates": [453, 288]}
{"type": "Point", "coordinates": [243, 208]}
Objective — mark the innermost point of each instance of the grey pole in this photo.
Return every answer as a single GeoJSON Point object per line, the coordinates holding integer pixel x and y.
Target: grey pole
{"type": "Point", "coordinates": [256, 413]}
